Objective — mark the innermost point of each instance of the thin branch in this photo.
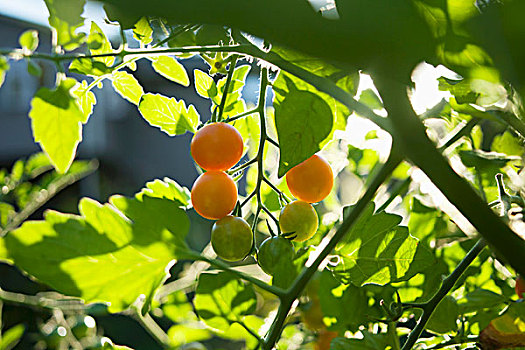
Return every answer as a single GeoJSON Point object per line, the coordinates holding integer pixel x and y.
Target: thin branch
{"type": "Point", "coordinates": [227, 86]}
{"type": "Point", "coordinates": [242, 115]}
{"type": "Point", "coordinates": [446, 286]}
{"type": "Point", "coordinates": [223, 266]}
{"type": "Point", "coordinates": [153, 328]}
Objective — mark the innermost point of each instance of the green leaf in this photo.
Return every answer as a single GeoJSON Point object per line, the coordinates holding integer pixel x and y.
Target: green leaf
{"type": "Point", "coordinates": [170, 69]}
{"type": "Point", "coordinates": [205, 85]}
{"type": "Point", "coordinates": [287, 83]}
{"type": "Point", "coordinates": [7, 211]}
{"type": "Point", "coordinates": [34, 68]}
{"type": "Point", "coordinates": [110, 253]}
{"type": "Point", "coordinates": [369, 98]}
{"type": "Point", "coordinates": [56, 120]}
{"type": "Point", "coordinates": [426, 223]}
{"type": "Point", "coordinates": [370, 341]}
{"type": "Point", "coordinates": [170, 115]}
{"type": "Point", "coordinates": [480, 299]}
{"type": "Point", "coordinates": [211, 34]}
{"type": "Point", "coordinates": [85, 98]}
{"type": "Point", "coordinates": [332, 295]}
{"type": "Point", "coordinates": [168, 189]}
{"type": "Point", "coordinates": [377, 250]}
{"type": "Point", "coordinates": [29, 40]}
{"type": "Point", "coordinates": [508, 144]}
{"type": "Point", "coordinates": [444, 318]}
{"type": "Point", "coordinates": [222, 299]}
{"type": "Point", "coordinates": [347, 82]}
{"type": "Point", "coordinates": [127, 86]}
{"type": "Point", "coordinates": [143, 32]}
{"type": "Point", "coordinates": [181, 334]}
{"type": "Point", "coordinates": [4, 67]}
{"type": "Point", "coordinates": [485, 160]}
{"type": "Point", "coordinates": [11, 337]}
{"type": "Point", "coordinates": [66, 17]}
{"type": "Point", "coordinates": [88, 66]}
{"type": "Point", "coordinates": [303, 121]}
{"type": "Point", "coordinates": [98, 44]}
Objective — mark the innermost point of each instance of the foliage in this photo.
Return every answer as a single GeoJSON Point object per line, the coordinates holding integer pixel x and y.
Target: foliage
{"type": "Point", "coordinates": [402, 236]}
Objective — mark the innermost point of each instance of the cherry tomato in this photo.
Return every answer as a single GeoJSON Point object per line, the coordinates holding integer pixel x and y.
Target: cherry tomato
{"type": "Point", "coordinates": [273, 251]}
{"type": "Point", "coordinates": [324, 338]}
{"type": "Point", "coordinates": [217, 147]}
{"type": "Point", "coordinates": [298, 221]}
{"type": "Point", "coordinates": [520, 286]}
{"type": "Point", "coordinates": [231, 238]}
{"type": "Point", "coordinates": [214, 195]}
{"type": "Point", "coordinates": [312, 180]}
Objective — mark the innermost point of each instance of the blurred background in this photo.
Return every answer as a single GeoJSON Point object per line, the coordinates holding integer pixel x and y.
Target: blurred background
{"type": "Point", "coordinates": [130, 152]}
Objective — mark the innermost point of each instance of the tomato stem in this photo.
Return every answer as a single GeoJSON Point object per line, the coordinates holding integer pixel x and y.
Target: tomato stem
{"type": "Point", "coordinates": [227, 86]}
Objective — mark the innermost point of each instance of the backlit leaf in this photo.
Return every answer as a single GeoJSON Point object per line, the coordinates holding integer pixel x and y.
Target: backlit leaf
{"type": "Point", "coordinates": [170, 69]}
{"type": "Point", "coordinates": [127, 86]}
{"type": "Point", "coordinates": [377, 250]}
{"type": "Point", "coordinates": [110, 253]}
{"type": "Point", "coordinates": [170, 115]}
{"type": "Point", "coordinates": [222, 299]}
{"type": "Point", "coordinates": [56, 120]}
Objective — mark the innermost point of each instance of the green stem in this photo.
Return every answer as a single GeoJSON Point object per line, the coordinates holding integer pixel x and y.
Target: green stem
{"type": "Point", "coordinates": [227, 86]}
{"type": "Point", "coordinates": [446, 286]}
{"type": "Point", "coordinates": [276, 190]}
{"type": "Point", "coordinates": [465, 130]}
{"type": "Point", "coordinates": [242, 166]}
{"type": "Point", "coordinates": [392, 334]}
{"type": "Point", "coordinates": [223, 266]}
{"type": "Point", "coordinates": [129, 52]}
{"type": "Point", "coordinates": [34, 301]}
{"type": "Point", "coordinates": [400, 189]}
{"type": "Point", "coordinates": [307, 273]}
{"type": "Point", "coordinates": [153, 329]}
{"type": "Point", "coordinates": [242, 115]}
{"type": "Point", "coordinates": [411, 135]}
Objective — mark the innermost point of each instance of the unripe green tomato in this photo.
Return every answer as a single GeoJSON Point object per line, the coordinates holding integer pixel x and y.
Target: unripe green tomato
{"type": "Point", "coordinates": [298, 221]}
{"type": "Point", "coordinates": [231, 238]}
{"type": "Point", "coordinates": [274, 250]}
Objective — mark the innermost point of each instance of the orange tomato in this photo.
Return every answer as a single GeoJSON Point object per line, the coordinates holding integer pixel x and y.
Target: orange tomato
{"type": "Point", "coordinates": [520, 286]}
{"type": "Point", "coordinates": [217, 147]}
{"type": "Point", "coordinates": [312, 180]}
{"type": "Point", "coordinates": [214, 195]}
{"type": "Point", "coordinates": [324, 339]}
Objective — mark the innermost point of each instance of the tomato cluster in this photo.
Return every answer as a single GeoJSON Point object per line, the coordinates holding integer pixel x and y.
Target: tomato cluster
{"type": "Point", "coordinates": [216, 148]}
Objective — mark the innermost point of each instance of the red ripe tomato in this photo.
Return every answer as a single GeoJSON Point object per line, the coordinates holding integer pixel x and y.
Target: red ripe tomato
{"type": "Point", "coordinates": [217, 147]}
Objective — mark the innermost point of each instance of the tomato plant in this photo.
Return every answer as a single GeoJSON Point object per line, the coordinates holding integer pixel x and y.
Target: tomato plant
{"type": "Point", "coordinates": [418, 222]}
